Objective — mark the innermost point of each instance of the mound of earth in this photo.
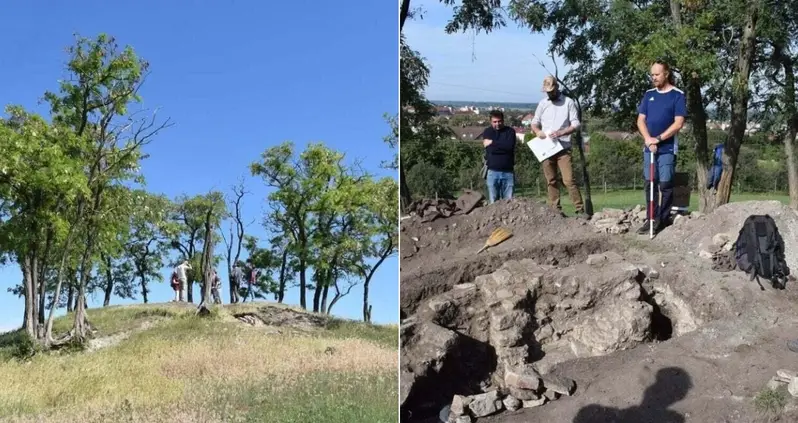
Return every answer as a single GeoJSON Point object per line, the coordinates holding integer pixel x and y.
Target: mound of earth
{"type": "Point", "coordinates": [710, 232]}
{"type": "Point", "coordinates": [440, 254]}
{"type": "Point", "coordinates": [612, 327]}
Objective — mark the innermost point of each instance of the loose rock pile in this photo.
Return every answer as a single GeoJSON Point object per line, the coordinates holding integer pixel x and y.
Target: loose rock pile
{"type": "Point", "coordinates": [430, 209]}
{"type": "Point", "coordinates": [523, 389]}
{"type": "Point", "coordinates": [785, 378]}
{"type": "Point", "coordinates": [621, 221]}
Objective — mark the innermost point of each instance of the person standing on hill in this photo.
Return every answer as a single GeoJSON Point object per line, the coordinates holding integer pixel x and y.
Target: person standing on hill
{"type": "Point", "coordinates": [238, 278]}
{"type": "Point", "coordinates": [661, 115]}
{"type": "Point", "coordinates": [182, 276]}
{"type": "Point", "coordinates": [216, 287]}
{"type": "Point", "coordinates": [557, 116]}
{"type": "Point", "coordinates": [175, 283]}
{"type": "Point", "coordinates": [252, 277]}
{"type": "Point", "coordinates": [499, 142]}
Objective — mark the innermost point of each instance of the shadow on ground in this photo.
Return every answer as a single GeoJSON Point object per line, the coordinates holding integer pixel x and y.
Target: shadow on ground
{"type": "Point", "coordinates": [671, 386]}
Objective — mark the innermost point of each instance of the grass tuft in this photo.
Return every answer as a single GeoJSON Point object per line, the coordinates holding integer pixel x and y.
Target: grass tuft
{"type": "Point", "coordinates": [771, 401]}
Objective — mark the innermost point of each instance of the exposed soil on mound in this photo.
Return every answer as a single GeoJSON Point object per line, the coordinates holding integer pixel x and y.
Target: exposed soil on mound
{"type": "Point", "coordinates": [697, 233]}
{"type": "Point", "coordinates": [532, 223]}
{"type": "Point", "coordinates": [440, 254]}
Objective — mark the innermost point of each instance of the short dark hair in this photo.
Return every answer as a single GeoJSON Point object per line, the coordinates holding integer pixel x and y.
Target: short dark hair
{"type": "Point", "coordinates": [497, 114]}
{"type": "Point", "coordinates": [667, 68]}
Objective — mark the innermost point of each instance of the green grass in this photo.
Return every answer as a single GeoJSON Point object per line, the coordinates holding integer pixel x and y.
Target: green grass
{"type": "Point", "coordinates": [319, 397]}
{"type": "Point", "coordinates": [622, 199]}
{"type": "Point", "coordinates": [771, 401]}
{"type": "Point", "coordinates": [384, 335]}
{"type": "Point", "coordinates": [190, 369]}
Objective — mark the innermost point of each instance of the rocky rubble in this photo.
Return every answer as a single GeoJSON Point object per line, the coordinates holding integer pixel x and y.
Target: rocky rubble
{"type": "Point", "coordinates": [430, 209]}
{"type": "Point", "coordinates": [621, 221]}
{"type": "Point", "coordinates": [501, 325]}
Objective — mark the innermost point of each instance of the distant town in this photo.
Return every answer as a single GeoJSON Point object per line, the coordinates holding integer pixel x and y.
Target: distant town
{"type": "Point", "coordinates": [467, 120]}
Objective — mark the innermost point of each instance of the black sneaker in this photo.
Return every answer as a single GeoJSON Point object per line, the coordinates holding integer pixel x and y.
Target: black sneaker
{"type": "Point", "coordinates": [646, 226]}
{"type": "Point", "coordinates": [581, 215]}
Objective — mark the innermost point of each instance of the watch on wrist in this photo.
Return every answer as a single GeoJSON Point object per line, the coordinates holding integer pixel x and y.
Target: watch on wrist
{"type": "Point", "coordinates": [658, 138]}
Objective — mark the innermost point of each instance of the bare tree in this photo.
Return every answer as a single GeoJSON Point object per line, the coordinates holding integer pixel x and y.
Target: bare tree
{"type": "Point", "coordinates": [234, 241]}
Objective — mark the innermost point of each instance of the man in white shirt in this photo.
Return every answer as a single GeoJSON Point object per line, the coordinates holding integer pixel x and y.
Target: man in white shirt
{"type": "Point", "coordinates": [557, 116]}
{"type": "Point", "coordinates": [182, 276]}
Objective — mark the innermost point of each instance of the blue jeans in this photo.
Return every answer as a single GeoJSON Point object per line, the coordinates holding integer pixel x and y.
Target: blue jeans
{"type": "Point", "coordinates": [500, 185]}
{"type": "Point", "coordinates": [664, 168]}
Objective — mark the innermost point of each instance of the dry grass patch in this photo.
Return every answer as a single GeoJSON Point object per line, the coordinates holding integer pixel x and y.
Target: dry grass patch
{"type": "Point", "coordinates": [186, 368]}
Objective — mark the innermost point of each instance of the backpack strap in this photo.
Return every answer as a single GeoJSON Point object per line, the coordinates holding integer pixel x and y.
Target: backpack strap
{"type": "Point", "coordinates": [752, 246]}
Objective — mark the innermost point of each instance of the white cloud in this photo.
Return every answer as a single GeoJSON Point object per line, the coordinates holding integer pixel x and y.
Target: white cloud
{"type": "Point", "coordinates": [505, 68]}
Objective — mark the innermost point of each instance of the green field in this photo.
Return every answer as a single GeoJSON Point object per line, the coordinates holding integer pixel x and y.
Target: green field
{"type": "Point", "coordinates": [183, 368]}
{"type": "Point", "coordinates": [629, 198]}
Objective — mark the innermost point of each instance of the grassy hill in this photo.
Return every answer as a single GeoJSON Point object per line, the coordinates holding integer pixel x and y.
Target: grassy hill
{"type": "Point", "coordinates": [161, 363]}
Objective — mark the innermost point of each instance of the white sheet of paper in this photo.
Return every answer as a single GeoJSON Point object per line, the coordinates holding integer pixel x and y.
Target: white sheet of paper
{"type": "Point", "coordinates": [544, 148]}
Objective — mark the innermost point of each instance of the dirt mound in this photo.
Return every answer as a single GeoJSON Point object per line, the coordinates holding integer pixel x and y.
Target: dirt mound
{"type": "Point", "coordinates": [530, 221]}
{"type": "Point", "coordinates": [440, 254]}
{"type": "Point", "coordinates": [705, 232]}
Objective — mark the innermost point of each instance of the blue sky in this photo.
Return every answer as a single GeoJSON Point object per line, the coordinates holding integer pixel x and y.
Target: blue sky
{"type": "Point", "coordinates": [505, 68]}
{"type": "Point", "coordinates": [236, 77]}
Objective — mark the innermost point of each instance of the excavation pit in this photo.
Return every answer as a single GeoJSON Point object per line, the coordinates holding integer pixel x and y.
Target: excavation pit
{"type": "Point", "coordinates": [525, 317]}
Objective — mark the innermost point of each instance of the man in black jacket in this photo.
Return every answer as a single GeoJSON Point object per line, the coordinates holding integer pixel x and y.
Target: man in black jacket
{"type": "Point", "coordinates": [499, 142]}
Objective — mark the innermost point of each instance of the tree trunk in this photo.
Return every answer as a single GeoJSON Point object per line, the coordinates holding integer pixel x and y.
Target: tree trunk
{"type": "Point", "coordinates": [739, 103]}
{"type": "Point", "coordinates": [190, 290]}
{"type": "Point", "coordinates": [42, 298]}
{"type": "Point", "coordinates": [281, 288]}
{"type": "Point", "coordinates": [367, 280]}
{"type": "Point", "coordinates": [207, 259]}
{"type": "Point", "coordinates": [404, 191]}
{"type": "Point", "coordinates": [782, 54]}
{"type": "Point", "coordinates": [71, 297]}
{"type": "Point", "coordinates": [302, 282]}
{"type": "Point", "coordinates": [366, 306]}
{"type": "Point", "coordinates": [676, 13]}
{"type": "Point", "coordinates": [29, 320]}
{"type": "Point", "coordinates": [81, 326]}
{"type": "Point", "coordinates": [324, 293]}
{"type": "Point", "coordinates": [317, 290]}
{"type": "Point", "coordinates": [404, 11]}
{"type": "Point", "coordinates": [698, 117]}
{"type": "Point", "coordinates": [109, 281]}
{"type": "Point", "coordinates": [48, 332]}
{"type": "Point", "coordinates": [144, 290]}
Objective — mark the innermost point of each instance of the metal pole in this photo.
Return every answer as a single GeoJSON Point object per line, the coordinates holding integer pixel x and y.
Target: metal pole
{"type": "Point", "coordinates": [651, 196]}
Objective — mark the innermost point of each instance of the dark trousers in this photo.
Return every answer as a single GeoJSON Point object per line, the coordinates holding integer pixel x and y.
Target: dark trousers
{"type": "Point", "coordinates": [664, 169]}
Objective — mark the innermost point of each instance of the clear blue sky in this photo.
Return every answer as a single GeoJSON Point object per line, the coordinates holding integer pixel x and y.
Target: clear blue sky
{"type": "Point", "coordinates": [505, 68]}
{"type": "Point", "coordinates": [236, 77]}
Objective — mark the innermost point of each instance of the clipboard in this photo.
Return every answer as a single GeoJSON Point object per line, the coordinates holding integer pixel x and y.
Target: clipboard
{"type": "Point", "coordinates": [544, 148]}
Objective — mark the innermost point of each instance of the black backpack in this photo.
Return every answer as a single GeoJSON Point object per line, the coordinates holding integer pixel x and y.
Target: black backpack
{"type": "Point", "coordinates": [759, 251]}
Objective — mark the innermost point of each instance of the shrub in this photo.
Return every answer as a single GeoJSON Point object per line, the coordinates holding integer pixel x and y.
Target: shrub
{"type": "Point", "coordinates": [425, 180]}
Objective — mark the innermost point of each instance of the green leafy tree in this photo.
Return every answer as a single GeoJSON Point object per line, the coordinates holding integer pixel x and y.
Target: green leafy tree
{"type": "Point", "coordinates": [148, 243]}
{"type": "Point", "coordinates": [187, 232]}
{"type": "Point", "coordinates": [93, 102]}
{"type": "Point", "coordinates": [382, 235]}
{"type": "Point", "coordinates": [301, 185]}
{"type": "Point", "coordinates": [39, 175]}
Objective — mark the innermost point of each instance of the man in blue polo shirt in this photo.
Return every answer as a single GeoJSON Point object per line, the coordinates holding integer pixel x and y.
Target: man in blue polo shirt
{"type": "Point", "coordinates": [661, 115]}
{"type": "Point", "coordinates": [499, 142]}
